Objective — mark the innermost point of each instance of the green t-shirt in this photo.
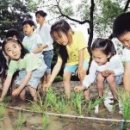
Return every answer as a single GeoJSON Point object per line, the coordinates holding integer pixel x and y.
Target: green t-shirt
{"type": "Point", "coordinates": [29, 63]}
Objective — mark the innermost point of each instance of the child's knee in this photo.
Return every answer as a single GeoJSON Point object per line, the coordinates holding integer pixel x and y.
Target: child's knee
{"type": "Point", "coordinates": [110, 79]}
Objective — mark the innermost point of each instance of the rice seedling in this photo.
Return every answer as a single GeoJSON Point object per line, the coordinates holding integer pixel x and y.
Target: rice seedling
{"type": "Point", "coordinates": [61, 105]}
{"type": "Point", "coordinates": [39, 105]}
{"type": "Point", "coordinates": [92, 104]}
{"type": "Point", "coordinates": [77, 101]}
{"type": "Point", "coordinates": [2, 110]}
{"type": "Point", "coordinates": [50, 99]}
{"type": "Point", "coordinates": [20, 121]}
{"type": "Point", "coordinates": [124, 106]}
{"type": "Point", "coordinates": [44, 122]}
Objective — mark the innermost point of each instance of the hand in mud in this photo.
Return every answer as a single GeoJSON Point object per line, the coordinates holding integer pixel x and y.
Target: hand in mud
{"type": "Point", "coordinates": [78, 88]}
{"type": "Point", "coordinates": [46, 86]}
{"type": "Point", "coordinates": [16, 92]}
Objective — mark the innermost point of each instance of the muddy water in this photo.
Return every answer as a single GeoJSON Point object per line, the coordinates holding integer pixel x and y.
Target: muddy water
{"type": "Point", "coordinates": [22, 120]}
{"type": "Point", "coordinates": [16, 120]}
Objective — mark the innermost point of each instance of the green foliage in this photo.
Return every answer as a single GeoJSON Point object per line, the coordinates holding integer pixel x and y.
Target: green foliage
{"type": "Point", "coordinates": [77, 101]}
{"type": "Point", "coordinates": [20, 121]}
{"type": "Point", "coordinates": [2, 110]}
{"type": "Point", "coordinates": [124, 99]}
{"type": "Point", "coordinates": [12, 14]}
{"type": "Point", "coordinates": [107, 11]}
{"type": "Point", "coordinates": [44, 122]}
{"type": "Point", "coordinates": [50, 99]}
{"type": "Point", "coordinates": [92, 104]}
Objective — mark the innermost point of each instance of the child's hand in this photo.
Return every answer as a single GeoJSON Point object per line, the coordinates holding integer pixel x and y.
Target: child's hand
{"type": "Point", "coordinates": [16, 92]}
{"type": "Point", "coordinates": [78, 88]}
{"type": "Point", "coordinates": [46, 86]}
{"type": "Point", "coordinates": [106, 73]}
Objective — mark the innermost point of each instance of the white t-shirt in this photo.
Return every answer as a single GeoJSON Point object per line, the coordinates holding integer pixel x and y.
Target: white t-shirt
{"type": "Point", "coordinates": [115, 64]}
{"type": "Point", "coordinates": [126, 55]}
{"type": "Point", "coordinates": [44, 32]}
{"type": "Point", "coordinates": [32, 42]}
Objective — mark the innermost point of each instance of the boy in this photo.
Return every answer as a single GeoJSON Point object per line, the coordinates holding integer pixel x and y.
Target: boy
{"type": "Point", "coordinates": [121, 30]}
{"type": "Point", "coordinates": [32, 41]}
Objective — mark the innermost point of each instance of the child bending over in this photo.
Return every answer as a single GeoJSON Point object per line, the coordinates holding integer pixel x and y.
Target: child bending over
{"type": "Point", "coordinates": [106, 66]}
{"type": "Point", "coordinates": [31, 69]}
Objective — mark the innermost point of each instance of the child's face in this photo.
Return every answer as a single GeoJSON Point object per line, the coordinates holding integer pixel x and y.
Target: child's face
{"type": "Point", "coordinates": [125, 39]}
{"type": "Point", "coordinates": [39, 19]}
{"type": "Point", "coordinates": [61, 38]}
{"type": "Point", "coordinates": [13, 50]}
{"type": "Point", "coordinates": [27, 29]}
{"type": "Point", "coordinates": [99, 57]}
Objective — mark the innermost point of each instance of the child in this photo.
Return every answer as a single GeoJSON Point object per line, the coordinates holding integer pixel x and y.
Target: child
{"type": "Point", "coordinates": [12, 33]}
{"type": "Point", "coordinates": [32, 41]}
{"type": "Point", "coordinates": [73, 54]}
{"type": "Point", "coordinates": [121, 30]}
{"type": "Point", "coordinates": [106, 65]}
{"type": "Point", "coordinates": [30, 67]}
{"type": "Point", "coordinates": [44, 32]}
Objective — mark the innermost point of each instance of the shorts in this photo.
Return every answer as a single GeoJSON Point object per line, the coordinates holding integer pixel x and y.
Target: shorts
{"type": "Point", "coordinates": [73, 68]}
{"type": "Point", "coordinates": [35, 77]}
{"type": "Point", "coordinates": [48, 55]}
{"type": "Point", "coordinates": [118, 79]}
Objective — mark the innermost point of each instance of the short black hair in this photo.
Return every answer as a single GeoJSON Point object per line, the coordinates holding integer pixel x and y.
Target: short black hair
{"type": "Point", "coordinates": [121, 24]}
{"type": "Point", "coordinates": [41, 13]}
{"type": "Point", "coordinates": [12, 32]}
{"type": "Point", "coordinates": [29, 21]}
{"type": "Point", "coordinates": [106, 45]}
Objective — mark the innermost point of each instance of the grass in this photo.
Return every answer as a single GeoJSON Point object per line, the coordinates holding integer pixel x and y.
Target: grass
{"type": "Point", "coordinates": [20, 121]}
{"type": "Point", "coordinates": [44, 122]}
{"type": "Point", "coordinates": [50, 99]}
{"type": "Point", "coordinates": [92, 104]}
{"type": "Point", "coordinates": [77, 102]}
{"type": "Point", "coordinates": [124, 102]}
{"type": "Point", "coordinates": [124, 99]}
{"type": "Point", "coordinates": [2, 110]}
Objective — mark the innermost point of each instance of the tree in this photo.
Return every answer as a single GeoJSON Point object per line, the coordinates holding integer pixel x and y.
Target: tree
{"type": "Point", "coordinates": [99, 14]}
{"type": "Point", "coordinates": [12, 14]}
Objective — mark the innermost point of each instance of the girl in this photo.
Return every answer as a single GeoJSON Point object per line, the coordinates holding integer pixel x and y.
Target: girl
{"type": "Point", "coordinates": [106, 65]}
{"type": "Point", "coordinates": [30, 67]}
{"type": "Point", "coordinates": [44, 32]}
{"type": "Point", "coordinates": [73, 54]}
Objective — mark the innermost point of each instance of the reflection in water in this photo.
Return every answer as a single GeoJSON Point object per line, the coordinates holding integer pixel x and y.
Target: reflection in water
{"type": "Point", "coordinates": [17, 120]}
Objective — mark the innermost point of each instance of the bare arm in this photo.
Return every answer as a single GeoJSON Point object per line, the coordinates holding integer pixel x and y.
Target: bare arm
{"type": "Point", "coordinates": [23, 84]}
{"type": "Point", "coordinates": [81, 72]}
{"type": "Point", "coordinates": [55, 71]}
{"type": "Point", "coordinates": [126, 79]}
{"type": "Point", "coordinates": [6, 87]}
{"type": "Point", "coordinates": [39, 48]}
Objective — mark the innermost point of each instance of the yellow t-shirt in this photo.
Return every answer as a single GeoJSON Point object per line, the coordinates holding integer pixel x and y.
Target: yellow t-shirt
{"type": "Point", "coordinates": [78, 43]}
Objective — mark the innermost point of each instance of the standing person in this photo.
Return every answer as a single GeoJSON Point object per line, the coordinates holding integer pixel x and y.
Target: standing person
{"type": "Point", "coordinates": [31, 69]}
{"type": "Point", "coordinates": [106, 66]}
{"type": "Point", "coordinates": [121, 30]}
{"type": "Point", "coordinates": [73, 54]}
{"type": "Point", "coordinates": [44, 32]}
{"type": "Point", "coordinates": [32, 41]}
